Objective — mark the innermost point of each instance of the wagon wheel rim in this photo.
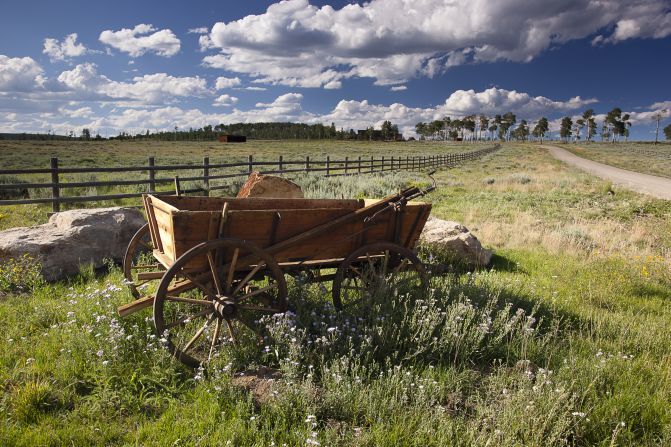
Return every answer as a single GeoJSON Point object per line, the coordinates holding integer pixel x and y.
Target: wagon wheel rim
{"type": "Point", "coordinates": [234, 285]}
{"type": "Point", "coordinates": [138, 259]}
{"type": "Point", "coordinates": [382, 268]}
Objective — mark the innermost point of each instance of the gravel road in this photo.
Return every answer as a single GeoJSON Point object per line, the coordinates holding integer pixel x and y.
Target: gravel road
{"type": "Point", "coordinates": [659, 187]}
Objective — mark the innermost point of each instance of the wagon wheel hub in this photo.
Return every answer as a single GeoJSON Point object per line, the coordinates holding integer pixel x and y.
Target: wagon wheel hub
{"type": "Point", "coordinates": [225, 308]}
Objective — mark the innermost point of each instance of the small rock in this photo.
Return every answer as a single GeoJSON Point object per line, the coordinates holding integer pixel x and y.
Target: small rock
{"type": "Point", "coordinates": [269, 186]}
{"type": "Point", "coordinates": [457, 239]}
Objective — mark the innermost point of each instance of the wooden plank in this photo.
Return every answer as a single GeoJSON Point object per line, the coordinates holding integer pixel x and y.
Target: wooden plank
{"type": "Point", "coordinates": [217, 203]}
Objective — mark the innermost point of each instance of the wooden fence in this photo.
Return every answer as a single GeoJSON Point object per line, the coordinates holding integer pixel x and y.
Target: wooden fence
{"type": "Point", "coordinates": [328, 167]}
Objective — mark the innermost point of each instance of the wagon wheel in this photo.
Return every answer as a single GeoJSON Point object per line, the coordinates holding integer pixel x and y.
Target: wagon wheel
{"type": "Point", "coordinates": [138, 260]}
{"type": "Point", "coordinates": [377, 268]}
{"type": "Point", "coordinates": [196, 311]}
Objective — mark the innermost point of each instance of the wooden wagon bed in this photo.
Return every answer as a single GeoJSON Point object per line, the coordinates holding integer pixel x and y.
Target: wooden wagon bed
{"type": "Point", "coordinates": [221, 262]}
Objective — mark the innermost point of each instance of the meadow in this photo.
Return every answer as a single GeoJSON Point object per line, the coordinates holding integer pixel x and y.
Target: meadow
{"type": "Point", "coordinates": [639, 157]}
{"type": "Point", "coordinates": [563, 340]}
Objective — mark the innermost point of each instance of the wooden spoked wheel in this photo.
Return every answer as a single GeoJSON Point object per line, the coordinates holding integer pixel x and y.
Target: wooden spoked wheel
{"type": "Point", "coordinates": [139, 266]}
{"type": "Point", "coordinates": [382, 268]}
{"type": "Point", "coordinates": [197, 310]}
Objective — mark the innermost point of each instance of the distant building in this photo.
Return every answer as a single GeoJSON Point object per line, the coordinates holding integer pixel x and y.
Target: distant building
{"type": "Point", "coordinates": [232, 139]}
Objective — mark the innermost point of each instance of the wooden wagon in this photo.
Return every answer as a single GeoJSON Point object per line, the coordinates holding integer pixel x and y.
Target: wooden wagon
{"type": "Point", "coordinates": [219, 264]}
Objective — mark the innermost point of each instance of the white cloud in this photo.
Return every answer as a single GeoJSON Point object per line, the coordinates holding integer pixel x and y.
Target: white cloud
{"type": "Point", "coordinates": [297, 44]}
{"type": "Point", "coordinates": [253, 88]}
{"type": "Point", "coordinates": [498, 100]}
{"type": "Point", "coordinates": [58, 51]}
{"type": "Point", "coordinates": [223, 82]}
{"type": "Point", "coordinates": [19, 74]}
{"type": "Point", "coordinates": [225, 101]}
{"type": "Point", "coordinates": [138, 41]}
{"type": "Point", "coordinates": [201, 30]}
{"type": "Point", "coordinates": [157, 88]}
{"type": "Point", "coordinates": [398, 88]}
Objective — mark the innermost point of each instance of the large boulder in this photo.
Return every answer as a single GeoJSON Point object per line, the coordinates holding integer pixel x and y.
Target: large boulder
{"type": "Point", "coordinates": [455, 238]}
{"type": "Point", "coordinates": [74, 238]}
{"type": "Point", "coordinates": [269, 186]}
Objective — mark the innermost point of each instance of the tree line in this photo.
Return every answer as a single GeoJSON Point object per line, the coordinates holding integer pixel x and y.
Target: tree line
{"type": "Point", "coordinates": [615, 126]}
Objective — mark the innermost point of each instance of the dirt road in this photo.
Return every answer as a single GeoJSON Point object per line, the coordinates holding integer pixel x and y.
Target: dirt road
{"type": "Point", "coordinates": [659, 187]}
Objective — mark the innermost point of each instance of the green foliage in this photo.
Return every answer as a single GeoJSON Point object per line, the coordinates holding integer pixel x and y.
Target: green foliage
{"type": "Point", "coordinates": [667, 132]}
{"type": "Point", "coordinates": [20, 274]}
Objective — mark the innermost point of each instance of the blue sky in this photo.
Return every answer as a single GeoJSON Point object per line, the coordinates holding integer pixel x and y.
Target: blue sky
{"type": "Point", "coordinates": [155, 65]}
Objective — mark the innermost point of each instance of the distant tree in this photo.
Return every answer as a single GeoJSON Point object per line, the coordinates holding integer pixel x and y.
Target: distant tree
{"type": "Point", "coordinates": [484, 124]}
{"type": "Point", "coordinates": [615, 123]}
{"type": "Point", "coordinates": [565, 128]}
{"type": "Point", "coordinates": [588, 117]}
{"type": "Point", "coordinates": [86, 134]}
{"type": "Point", "coordinates": [420, 128]}
{"type": "Point", "coordinates": [521, 132]}
{"type": "Point", "coordinates": [541, 128]}
{"type": "Point", "coordinates": [508, 120]}
{"type": "Point", "coordinates": [386, 130]}
{"type": "Point", "coordinates": [579, 124]}
{"type": "Point", "coordinates": [667, 132]}
{"type": "Point", "coordinates": [626, 126]}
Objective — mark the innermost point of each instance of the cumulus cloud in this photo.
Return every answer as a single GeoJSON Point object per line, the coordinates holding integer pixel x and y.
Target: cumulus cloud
{"type": "Point", "coordinates": [498, 100]}
{"type": "Point", "coordinates": [58, 51]}
{"type": "Point", "coordinates": [84, 82]}
{"type": "Point", "coordinates": [398, 88]}
{"type": "Point", "coordinates": [225, 101]}
{"type": "Point", "coordinates": [142, 39]}
{"type": "Point", "coordinates": [223, 82]}
{"type": "Point", "coordinates": [19, 74]}
{"type": "Point", "coordinates": [297, 44]}
{"type": "Point", "coordinates": [201, 30]}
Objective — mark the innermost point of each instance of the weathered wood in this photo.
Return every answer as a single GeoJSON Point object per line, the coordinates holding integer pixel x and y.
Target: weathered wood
{"type": "Point", "coordinates": [55, 190]}
{"type": "Point", "coordinates": [152, 175]}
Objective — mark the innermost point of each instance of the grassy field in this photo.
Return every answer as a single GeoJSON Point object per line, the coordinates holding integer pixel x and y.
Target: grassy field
{"type": "Point", "coordinates": [564, 341]}
{"type": "Point", "coordinates": [36, 154]}
{"type": "Point", "coordinates": [638, 157]}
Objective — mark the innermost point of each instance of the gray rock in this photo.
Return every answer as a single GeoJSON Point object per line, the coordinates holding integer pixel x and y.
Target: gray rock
{"type": "Point", "coordinates": [74, 238]}
{"type": "Point", "coordinates": [455, 238]}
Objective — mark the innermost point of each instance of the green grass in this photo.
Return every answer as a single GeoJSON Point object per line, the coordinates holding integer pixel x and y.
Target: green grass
{"type": "Point", "coordinates": [564, 341]}
{"type": "Point", "coordinates": [639, 157]}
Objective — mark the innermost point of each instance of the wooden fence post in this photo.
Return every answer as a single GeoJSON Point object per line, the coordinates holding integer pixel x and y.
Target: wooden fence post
{"type": "Point", "coordinates": [346, 164]}
{"type": "Point", "coordinates": [152, 175]}
{"type": "Point", "coordinates": [382, 164]}
{"type": "Point", "coordinates": [55, 190]}
{"type": "Point", "coordinates": [372, 161]}
{"type": "Point", "coordinates": [206, 175]}
{"type": "Point", "coordinates": [328, 165]}
{"type": "Point", "coordinates": [250, 164]}
{"type": "Point", "coordinates": [280, 163]}
{"type": "Point", "coordinates": [307, 163]}
{"type": "Point", "coordinates": [406, 162]}
{"type": "Point", "coordinates": [359, 165]}
{"type": "Point", "coordinates": [392, 162]}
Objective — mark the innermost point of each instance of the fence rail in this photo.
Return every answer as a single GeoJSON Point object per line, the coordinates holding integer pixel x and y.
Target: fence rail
{"type": "Point", "coordinates": [328, 167]}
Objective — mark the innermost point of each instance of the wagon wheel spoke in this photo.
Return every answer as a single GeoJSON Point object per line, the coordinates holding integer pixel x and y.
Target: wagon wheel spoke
{"type": "Point", "coordinates": [198, 334]}
{"type": "Point", "coordinates": [259, 309]}
{"type": "Point", "coordinates": [215, 274]}
{"type": "Point", "coordinates": [401, 265]}
{"type": "Point", "coordinates": [385, 263]}
{"type": "Point", "coordinates": [257, 292]}
{"type": "Point", "coordinates": [198, 284]}
{"type": "Point", "coordinates": [247, 278]}
{"type": "Point", "coordinates": [178, 299]}
{"type": "Point", "coordinates": [231, 270]}
{"type": "Point", "coordinates": [231, 331]}
{"type": "Point", "coordinates": [215, 336]}
{"type": "Point", "coordinates": [186, 319]}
